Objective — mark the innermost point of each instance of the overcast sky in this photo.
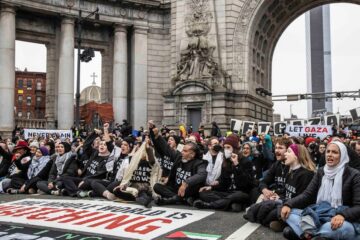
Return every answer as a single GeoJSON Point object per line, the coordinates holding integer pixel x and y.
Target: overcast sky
{"type": "Point", "coordinates": [289, 62]}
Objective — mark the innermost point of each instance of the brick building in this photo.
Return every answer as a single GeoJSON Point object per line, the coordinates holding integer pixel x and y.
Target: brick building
{"type": "Point", "coordinates": [30, 92]}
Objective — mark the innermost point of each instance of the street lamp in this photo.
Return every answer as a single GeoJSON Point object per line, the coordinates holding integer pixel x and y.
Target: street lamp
{"type": "Point", "coordinates": [85, 56]}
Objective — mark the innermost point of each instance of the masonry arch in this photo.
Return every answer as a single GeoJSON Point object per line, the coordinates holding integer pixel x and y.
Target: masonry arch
{"type": "Point", "coordinates": [257, 31]}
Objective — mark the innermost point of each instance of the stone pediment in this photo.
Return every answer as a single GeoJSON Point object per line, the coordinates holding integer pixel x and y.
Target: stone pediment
{"type": "Point", "coordinates": [191, 87]}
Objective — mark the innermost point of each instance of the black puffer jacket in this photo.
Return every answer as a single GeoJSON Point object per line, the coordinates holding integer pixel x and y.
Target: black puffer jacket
{"type": "Point", "coordinates": [350, 194]}
{"type": "Point", "coordinates": [263, 212]}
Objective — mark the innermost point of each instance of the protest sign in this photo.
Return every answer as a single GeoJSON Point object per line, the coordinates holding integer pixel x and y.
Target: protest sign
{"type": "Point", "coordinates": [314, 121]}
{"type": "Point", "coordinates": [320, 131]}
{"type": "Point", "coordinates": [355, 114]}
{"type": "Point", "coordinates": [99, 217]}
{"type": "Point", "coordinates": [47, 133]}
{"type": "Point", "coordinates": [264, 127]}
{"type": "Point", "coordinates": [247, 126]}
{"type": "Point", "coordinates": [279, 128]}
{"type": "Point", "coordinates": [235, 125]}
{"type": "Point", "coordinates": [332, 119]}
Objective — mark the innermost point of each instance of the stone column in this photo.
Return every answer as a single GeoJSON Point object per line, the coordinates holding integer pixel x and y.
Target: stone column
{"type": "Point", "coordinates": [120, 65]}
{"type": "Point", "coordinates": [66, 75]}
{"type": "Point", "coordinates": [51, 64]}
{"type": "Point", "coordinates": [7, 68]}
{"type": "Point", "coordinates": [106, 76]}
{"type": "Point", "coordinates": [139, 77]}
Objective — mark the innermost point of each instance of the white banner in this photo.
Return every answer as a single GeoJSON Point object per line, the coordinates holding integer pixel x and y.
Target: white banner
{"type": "Point", "coordinates": [320, 131]}
{"type": "Point", "coordinates": [118, 220]}
{"type": "Point", "coordinates": [47, 133]}
{"type": "Point", "coordinates": [235, 125]}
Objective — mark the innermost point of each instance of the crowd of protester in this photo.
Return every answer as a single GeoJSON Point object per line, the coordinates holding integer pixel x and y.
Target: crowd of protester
{"type": "Point", "coordinates": [308, 188]}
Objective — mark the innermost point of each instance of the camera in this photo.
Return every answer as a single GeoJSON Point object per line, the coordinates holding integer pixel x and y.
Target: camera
{"type": "Point", "coordinates": [313, 147]}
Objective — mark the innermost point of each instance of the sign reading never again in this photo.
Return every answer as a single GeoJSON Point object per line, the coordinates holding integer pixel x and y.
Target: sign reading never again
{"type": "Point", "coordinates": [99, 217]}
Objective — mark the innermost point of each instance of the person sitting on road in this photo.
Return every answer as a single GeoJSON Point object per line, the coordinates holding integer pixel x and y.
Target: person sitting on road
{"type": "Point", "coordinates": [186, 177]}
{"type": "Point", "coordinates": [330, 205]}
{"type": "Point", "coordinates": [235, 183]}
{"type": "Point", "coordinates": [65, 164]}
{"type": "Point", "coordinates": [140, 177]}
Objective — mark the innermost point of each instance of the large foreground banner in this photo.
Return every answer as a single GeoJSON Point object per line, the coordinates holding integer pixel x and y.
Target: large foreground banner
{"type": "Point", "coordinates": [99, 217]}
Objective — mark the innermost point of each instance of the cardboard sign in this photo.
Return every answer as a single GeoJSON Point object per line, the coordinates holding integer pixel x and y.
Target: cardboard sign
{"type": "Point", "coordinates": [355, 114]}
{"type": "Point", "coordinates": [99, 217]}
{"type": "Point", "coordinates": [297, 122]}
{"type": "Point", "coordinates": [314, 121]}
{"type": "Point", "coordinates": [264, 127]}
{"type": "Point", "coordinates": [235, 125]}
{"type": "Point", "coordinates": [47, 133]}
{"type": "Point", "coordinates": [247, 126]}
{"type": "Point", "coordinates": [332, 120]}
{"type": "Point", "coordinates": [309, 131]}
{"type": "Point", "coordinates": [279, 128]}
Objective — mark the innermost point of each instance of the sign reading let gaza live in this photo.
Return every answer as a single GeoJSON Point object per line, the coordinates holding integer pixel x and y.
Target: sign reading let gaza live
{"type": "Point", "coordinates": [309, 131]}
{"type": "Point", "coordinates": [108, 219]}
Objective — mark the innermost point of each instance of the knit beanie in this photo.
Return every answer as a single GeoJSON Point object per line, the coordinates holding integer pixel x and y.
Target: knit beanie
{"type": "Point", "coordinates": [67, 146]}
{"type": "Point", "coordinates": [176, 139]}
{"type": "Point", "coordinates": [44, 151]}
{"type": "Point", "coordinates": [309, 140]}
{"type": "Point", "coordinates": [295, 149]}
{"type": "Point", "coordinates": [34, 144]}
{"type": "Point", "coordinates": [197, 136]}
{"type": "Point", "coordinates": [232, 141]}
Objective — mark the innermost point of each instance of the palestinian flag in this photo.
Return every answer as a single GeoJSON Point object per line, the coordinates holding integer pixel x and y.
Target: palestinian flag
{"type": "Point", "coordinates": [192, 236]}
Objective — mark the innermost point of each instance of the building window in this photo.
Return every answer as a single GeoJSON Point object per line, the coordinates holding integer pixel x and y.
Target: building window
{"type": "Point", "coordinates": [38, 99]}
{"type": "Point", "coordinates": [28, 101]}
{"type": "Point", "coordinates": [29, 84]}
{"type": "Point", "coordinates": [28, 114]}
{"type": "Point", "coordinates": [19, 114]}
{"type": "Point", "coordinates": [20, 83]}
{"type": "Point", "coordinates": [38, 85]}
{"type": "Point", "coordinates": [20, 98]}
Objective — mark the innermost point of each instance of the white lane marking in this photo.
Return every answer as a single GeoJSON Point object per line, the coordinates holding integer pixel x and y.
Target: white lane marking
{"type": "Point", "coordinates": [243, 232]}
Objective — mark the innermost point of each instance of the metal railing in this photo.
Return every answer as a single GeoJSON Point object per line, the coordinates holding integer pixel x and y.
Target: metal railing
{"type": "Point", "coordinates": [31, 123]}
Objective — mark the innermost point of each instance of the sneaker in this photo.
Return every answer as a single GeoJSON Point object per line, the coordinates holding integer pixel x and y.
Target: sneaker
{"type": "Point", "coordinates": [12, 191]}
{"type": "Point", "coordinates": [40, 192]}
{"type": "Point", "coordinates": [288, 233]}
{"type": "Point", "coordinates": [201, 204]}
{"type": "Point", "coordinates": [55, 192]}
{"type": "Point", "coordinates": [277, 226]}
{"type": "Point", "coordinates": [82, 194]}
{"type": "Point", "coordinates": [236, 207]}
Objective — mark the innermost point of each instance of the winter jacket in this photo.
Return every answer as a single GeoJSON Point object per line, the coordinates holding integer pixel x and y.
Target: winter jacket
{"type": "Point", "coordinates": [5, 162]}
{"type": "Point", "coordinates": [70, 169]}
{"type": "Point", "coordinates": [243, 178]}
{"type": "Point", "coordinates": [350, 194]}
{"type": "Point", "coordinates": [264, 212]}
{"type": "Point", "coordinates": [275, 179]}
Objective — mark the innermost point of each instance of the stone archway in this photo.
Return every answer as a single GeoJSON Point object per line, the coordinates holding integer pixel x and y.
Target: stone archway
{"type": "Point", "coordinates": [257, 30]}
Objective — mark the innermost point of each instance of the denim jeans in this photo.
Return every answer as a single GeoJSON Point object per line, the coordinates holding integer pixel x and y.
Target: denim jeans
{"type": "Point", "coordinates": [345, 232]}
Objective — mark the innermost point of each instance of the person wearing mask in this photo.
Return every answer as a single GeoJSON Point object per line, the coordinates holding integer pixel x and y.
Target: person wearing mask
{"type": "Point", "coordinates": [330, 205]}
{"type": "Point", "coordinates": [235, 182]}
{"type": "Point", "coordinates": [185, 178]}
{"type": "Point", "coordinates": [214, 157]}
{"type": "Point", "coordinates": [65, 164]}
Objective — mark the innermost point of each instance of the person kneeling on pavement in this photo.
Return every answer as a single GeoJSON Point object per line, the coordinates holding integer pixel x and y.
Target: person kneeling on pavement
{"type": "Point", "coordinates": [329, 208]}
{"type": "Point", "coordinates": [236, 181]}
{"type": "Point", "coordinates": [140, 177]}
{"type": "Point", "coordinates": [186, 177]}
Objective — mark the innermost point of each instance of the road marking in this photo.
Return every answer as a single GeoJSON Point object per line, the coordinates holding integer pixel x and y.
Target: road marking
{"type": "Point", "coordinates": [243, 232]}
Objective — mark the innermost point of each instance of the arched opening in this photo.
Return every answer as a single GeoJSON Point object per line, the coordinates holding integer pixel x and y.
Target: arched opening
{"type": "Point", "coordinates": [289, 70]}
{"type": "Point", "coordinates": [256, 34]}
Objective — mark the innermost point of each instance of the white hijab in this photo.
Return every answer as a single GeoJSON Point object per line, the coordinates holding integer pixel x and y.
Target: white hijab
{"type": "Point", "coordinates": [331, 184]}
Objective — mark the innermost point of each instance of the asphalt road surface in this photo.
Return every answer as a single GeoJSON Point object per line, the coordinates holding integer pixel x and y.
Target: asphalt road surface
{"type": "Point", "coordinates": [227, 224]}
